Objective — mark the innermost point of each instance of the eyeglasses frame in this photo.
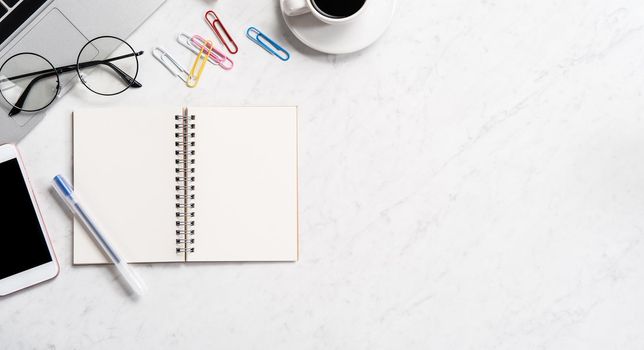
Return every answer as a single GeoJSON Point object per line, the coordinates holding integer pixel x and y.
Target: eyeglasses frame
{"type": "Point", "coordinates": [132, 82]}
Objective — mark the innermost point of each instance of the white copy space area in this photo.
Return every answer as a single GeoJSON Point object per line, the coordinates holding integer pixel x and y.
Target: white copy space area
{"type": "Point", "coordinates": [471, 181]}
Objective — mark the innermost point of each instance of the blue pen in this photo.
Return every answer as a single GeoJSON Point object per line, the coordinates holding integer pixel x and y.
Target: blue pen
{"type": "Point", "coordinates": [66, 192]}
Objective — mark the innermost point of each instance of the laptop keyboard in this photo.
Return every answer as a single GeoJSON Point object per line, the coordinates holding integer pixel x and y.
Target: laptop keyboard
{"type": "Point", "coordinates": [13, 13]}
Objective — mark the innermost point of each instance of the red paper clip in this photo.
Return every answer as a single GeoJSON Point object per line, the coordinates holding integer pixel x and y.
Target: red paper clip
{"type": "Point", "coordinates": [215, 24]}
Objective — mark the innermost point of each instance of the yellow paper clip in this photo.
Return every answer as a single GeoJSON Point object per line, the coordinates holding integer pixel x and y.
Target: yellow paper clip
{"type": "Point", "coordinates": [193, 79]}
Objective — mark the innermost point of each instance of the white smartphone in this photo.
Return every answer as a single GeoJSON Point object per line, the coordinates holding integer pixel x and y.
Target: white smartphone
{"type": "Point", "coordinates": [28, 257]}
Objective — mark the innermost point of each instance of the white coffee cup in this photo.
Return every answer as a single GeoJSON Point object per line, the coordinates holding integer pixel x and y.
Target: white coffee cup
{"type": "Point", "coordinates": [351, 10]}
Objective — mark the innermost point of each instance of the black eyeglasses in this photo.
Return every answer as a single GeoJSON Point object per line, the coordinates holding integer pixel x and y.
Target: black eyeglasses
{"type": "Point", "coordinates": [30, 83]}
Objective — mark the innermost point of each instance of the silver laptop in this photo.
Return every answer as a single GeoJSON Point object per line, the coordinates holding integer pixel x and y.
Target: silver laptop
{"type": "Point", "coordinates": [57, 30]}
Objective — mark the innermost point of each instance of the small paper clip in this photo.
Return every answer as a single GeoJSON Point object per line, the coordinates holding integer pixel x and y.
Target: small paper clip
{"type": "Point", "coordinates": [196, 42]}
{"type": "Point", "coordinates": [171, 64]}
{"type": "Point", "coordinates": [258, 38]}
{"type": "Point", "coordinates": [215, 24]}
{"type": "Point", "coordinates": [193, 80]}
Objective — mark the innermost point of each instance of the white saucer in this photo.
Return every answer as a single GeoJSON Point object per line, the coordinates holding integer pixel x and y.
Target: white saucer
{"type": "Point", "coordinates": [344, 37]}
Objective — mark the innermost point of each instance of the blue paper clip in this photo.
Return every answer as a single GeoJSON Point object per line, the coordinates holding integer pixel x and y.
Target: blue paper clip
{"type": "Point", "coordinates": [261, 39]}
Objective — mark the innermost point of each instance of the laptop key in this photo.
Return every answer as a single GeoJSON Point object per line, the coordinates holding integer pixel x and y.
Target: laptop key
{"type": "Point", "coordinates": [10, 3]}
{"type": "Point", "coordinates": [2, 10]}
{"type": "Point", "coordinates": [18, 15]}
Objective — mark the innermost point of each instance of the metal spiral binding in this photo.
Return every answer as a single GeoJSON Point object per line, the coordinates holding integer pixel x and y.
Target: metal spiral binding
{"type": "Point", "coordinates": [184, 152]}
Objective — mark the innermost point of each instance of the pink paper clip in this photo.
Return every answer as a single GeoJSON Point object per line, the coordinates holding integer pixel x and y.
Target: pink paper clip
{"type": "Point", "coordinates": [222, 60]}
{"type": "Point", "coordinates": [218, 27]}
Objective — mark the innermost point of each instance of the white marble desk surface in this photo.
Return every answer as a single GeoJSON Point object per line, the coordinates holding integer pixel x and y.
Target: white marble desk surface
{"type": "Point", "coordinates": [472, 181]}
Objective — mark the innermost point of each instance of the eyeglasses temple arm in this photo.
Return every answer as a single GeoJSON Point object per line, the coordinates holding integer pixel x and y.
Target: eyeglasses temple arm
{"type": "Point", "coordinates": [71, 67]}
{"type": "Point", "coordinates": [126, 77]}
{"type": "Point", "coordinates": [47, 73]}
{"type": "Point", "coordinates": [21, 100]}
{"type": "Point", "coordinates": [17, 107]}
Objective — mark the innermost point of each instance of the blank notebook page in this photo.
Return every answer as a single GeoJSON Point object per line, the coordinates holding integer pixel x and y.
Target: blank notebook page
{"type": "Point", "coordinates": [245, 184]}
{"type": "Point", "coordinates": [124, 170]}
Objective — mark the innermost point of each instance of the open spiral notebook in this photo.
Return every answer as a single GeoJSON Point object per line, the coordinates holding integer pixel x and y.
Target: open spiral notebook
{"type": "Point", "coordinates": [198, 184]}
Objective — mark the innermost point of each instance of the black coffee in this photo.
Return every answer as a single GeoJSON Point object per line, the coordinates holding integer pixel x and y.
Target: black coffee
{"type": "Point", "coordinates": [338, 8]}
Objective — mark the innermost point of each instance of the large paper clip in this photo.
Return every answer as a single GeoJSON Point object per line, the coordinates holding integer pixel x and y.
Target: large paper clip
{"type": "Point", "coordinates": [171, 64]}
{"type": "Point", "coordinates": [222, 60]}
{"type": "Point", "coordinates": [218, 27]}
{"type": "Point", "coordinates": [263, 41]}
{"type": "Point", "coordinates": [196, 42]}
{"type": "Point", "coordinates": [202, 57]}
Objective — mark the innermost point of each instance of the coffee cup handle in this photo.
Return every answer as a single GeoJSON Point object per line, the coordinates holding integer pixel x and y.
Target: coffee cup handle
{"type": "Point", "coordinates": [296, 7]}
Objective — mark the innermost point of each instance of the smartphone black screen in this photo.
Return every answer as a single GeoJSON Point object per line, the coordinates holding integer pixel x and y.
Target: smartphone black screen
{"type": "Point", "coordinates": [22, 240]}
